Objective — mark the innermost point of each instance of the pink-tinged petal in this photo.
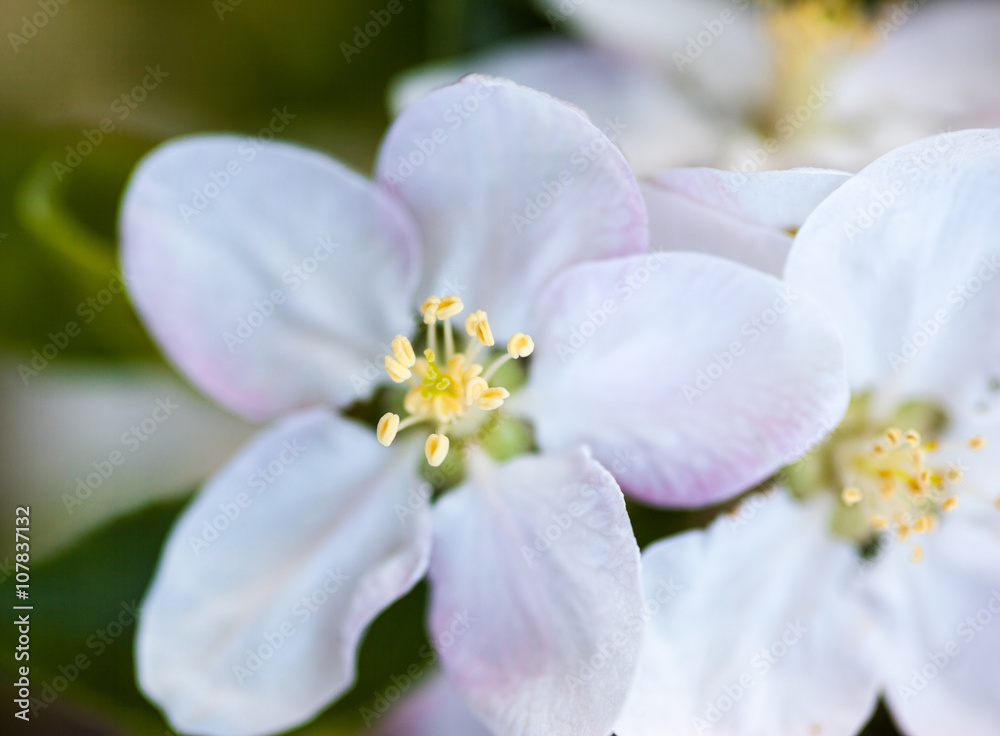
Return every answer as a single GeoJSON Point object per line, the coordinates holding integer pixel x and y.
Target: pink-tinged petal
{"type": "Point", "coordinates": [434, 709]}
{"type": "Point", "coordinates": [536, 602]}
{"type": "Point", "coordinates": [718, 48]}
{"type": "Point", "coordinates": [631, 99]}
{"type": "Point", "coordinates": [270, 274]}
{"type": "Point", "coordinates": [942, 626]}
{"type": "Point", "coordinates": [270, 578]}
{"type": "Point", "coordinates": [508, 187]}
{"type": "Point", "coordinates": [757, 627]}
{"type": "Point", "coordinates": [905, 258]}
{"type": "Point", "coordinates": [691, 378]}
{"type": "Point", "coordinates": [749, 218]}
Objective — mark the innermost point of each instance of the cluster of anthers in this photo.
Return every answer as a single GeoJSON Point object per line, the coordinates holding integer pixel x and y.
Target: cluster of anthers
{"type": "Point", "coordinates": [899, 489]}
{"type": "Point", "coordinates": [442, 392]}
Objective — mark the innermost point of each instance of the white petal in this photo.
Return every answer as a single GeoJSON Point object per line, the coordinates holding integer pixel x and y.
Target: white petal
{"type": "Point", "coordinates": [85, 443]}
{"type": "Point", "coordinates": [749, 218]}
{"type": "Point", "coordinates": [536, 600]}
{"type": "Point", "coordinates": [472, 160]}
{"type": "Point", "coordinates": [905, 256]}
{"type": "Point", "coordinates": [270, 578]}
{"type": "Point", "coordinates": [629, 97]}
{"type": "Point", "coordinates": [942, 626]}
{"type": "Point", "coordinates": [758, 629]}
{"type": "Point", "coordinates": [268, 273]}
{"type": "Point", "coordinates": [692, 378]}
{"type": "Point", "coordinates": [434, 709]}
{"type": "Point", "coordinates": [718, 46]}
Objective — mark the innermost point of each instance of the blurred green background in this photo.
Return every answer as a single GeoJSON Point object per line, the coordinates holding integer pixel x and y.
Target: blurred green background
{"type": "Point", "coordinates": [74, 120]}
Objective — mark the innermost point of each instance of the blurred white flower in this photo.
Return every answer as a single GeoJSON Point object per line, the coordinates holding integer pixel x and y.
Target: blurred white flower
{"type": "Point", "coordinates": [754, 86]}
{"type": "Point", "coordinates": [276, 279]}
{"type": "Point", "coordinates": [874, 567]}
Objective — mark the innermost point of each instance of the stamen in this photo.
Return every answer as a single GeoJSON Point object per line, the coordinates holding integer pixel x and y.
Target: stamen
{"type": "Point", "coordinates": [913, 438]}
{"type": "Point", "coordinates": [893, 436]}
{"type": "Point", "coordinates": [949, 503]}
{"type": "Point", "coordinates": [449, 307]}
{"type": "Point", "coordinates": [445, 394]}
{"type": "Point", "coordinates": [436, 449]}
{"type": "Point", "coordinates": [402, 351]}
{"type": "Point", "coordinates": [520, 346]}
{"type": "Point", "coordinates": [492, 398]}
{"type": "Point", "coordinates": [388, 425]}
{"type": "Point", "coordinates": [918, 554]}
{"type": "Point", "coordinates": [477, 326]}
{"type": "Point", "coordinates": [396, 370]}
{"type": "Point", "coordinates": [977, 443]}
{"type": "Point", "coordinates": [428, 308]}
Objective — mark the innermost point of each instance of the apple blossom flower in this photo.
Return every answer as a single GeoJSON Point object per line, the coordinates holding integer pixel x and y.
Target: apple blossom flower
{"type": "Point", "coordinates": [283, 285]}
{"type": "Point", "coordinates": [756, 85]}
{"type": "Point", "coordinates": [873, 566]}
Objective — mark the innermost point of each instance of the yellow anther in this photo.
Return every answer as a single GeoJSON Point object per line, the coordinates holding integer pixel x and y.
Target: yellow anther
{"type": "Point", "coordinates": [428, 308]}
{"type": "Point", "coordinates": [879, 522]}
{"type": "Point", "coordinates": [913, 438]}
{"type": "Point", "coordinates": [918, 554]}
{"type": "Point", "coordinates": [402, 351]}
{"type": "Point", "coordinates": [851, 496]}
{"type": "Point", "coordinates": [478, 327]}
{"type": "Point", "coordinates": [893, 436]}
{"type": "Point", "coordinates": [996, 502]}
{"type": "Point", "coordinates": [436, 449]}
{"type": "Point", "coordinates": [396, 370]}
{"type": "Point", "coordinates": [474, 389]}
{"type": "Point", "coordinates": [878, 450]}
{"type": "Point", "coordinates": [520, 345]}
{"type": "Point", "coordinates": [922, 524]}
{"type": "Point", "coordinates": [917, 458]}
{"type": "Point", "coordinates": [924, 478]}
{"type": "Point", "coordinates": [977, 443]}
{"type": "Point", "coordinates": [473, 371]}
{"type": "Point", "coordinates": [954, 475]}
{"type": "Point", "coordinates": [492, 398]}
{"type": "Point", "coordinates": [949, 503]}
{"type": "Point", "coordinates": [445, 408]}
{"type": "Point", "coordinates": [449, 306]}
{"type": "Point", "coordinates": [388, 425]}
{"type": "Point", "coordinates": [902, 532]}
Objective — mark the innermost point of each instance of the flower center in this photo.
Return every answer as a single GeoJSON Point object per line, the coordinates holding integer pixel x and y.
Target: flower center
{"type": "Point", "coordinates": [890, 482]}
{"type": "Point", "coordinates": [446, 386]}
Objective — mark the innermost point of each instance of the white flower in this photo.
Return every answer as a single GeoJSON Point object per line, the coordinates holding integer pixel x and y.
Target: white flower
{"type": "Point", "coordinates": [757, 85]}
{"type": "Point", "coordinates": [282, 283]}
{"type": "Point", "coordinates": [874, 568]}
